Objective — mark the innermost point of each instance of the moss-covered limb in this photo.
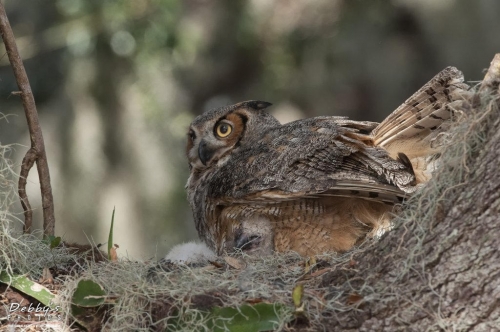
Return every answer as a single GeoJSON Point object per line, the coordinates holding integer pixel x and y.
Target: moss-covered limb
{"type": "Point", "coordinates": [440, 268]}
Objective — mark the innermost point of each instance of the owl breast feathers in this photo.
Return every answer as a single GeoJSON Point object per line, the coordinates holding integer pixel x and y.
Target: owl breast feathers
{"type": "Point", "coordinates": [312, 185]}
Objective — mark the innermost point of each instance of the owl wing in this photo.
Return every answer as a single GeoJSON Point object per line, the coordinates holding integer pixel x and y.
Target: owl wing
{"type": "Point", "coordinates": [417, 126]}
{"type": "Point", "coordinates": [376, 192]}
{"type": "Point", "coordinates": [323, 156]}
{"type": "Point", "coordinates": [413, 124]}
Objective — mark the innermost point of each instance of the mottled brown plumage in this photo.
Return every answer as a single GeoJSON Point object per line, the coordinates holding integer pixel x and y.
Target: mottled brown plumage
{"type": "Point", "coordinates": [311, 185]}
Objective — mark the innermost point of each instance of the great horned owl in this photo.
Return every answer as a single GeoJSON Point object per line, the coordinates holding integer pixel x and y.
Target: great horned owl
{"type": "Point", "coordinates": [311, 185]}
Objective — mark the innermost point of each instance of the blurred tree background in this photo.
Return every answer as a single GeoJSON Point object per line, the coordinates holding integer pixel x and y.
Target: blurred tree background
{"type": "Point", "coordinates": [117, 83]}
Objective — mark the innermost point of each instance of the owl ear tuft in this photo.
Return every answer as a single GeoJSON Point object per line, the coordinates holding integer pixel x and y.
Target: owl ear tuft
{"type": "Point", "coordinates": [257, 105]}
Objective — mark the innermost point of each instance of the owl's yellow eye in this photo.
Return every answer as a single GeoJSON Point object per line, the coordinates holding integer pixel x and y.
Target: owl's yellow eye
{"type": "Point", "coordinates": [223, 129]}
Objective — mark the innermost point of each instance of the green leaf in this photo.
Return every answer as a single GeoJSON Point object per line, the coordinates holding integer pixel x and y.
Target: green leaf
{"type": "Point", "coordinates": [55, 242]}
{"type": "Point", "coordinates": [88, 294]}
{"type": "Point", "coordinates": [77, 311]}
{"type": "Point", "coordinates": [248, 318]}
{"type": "Point", "coordinates": [110, 237]}
{"type": "Point", "coordinates": [90, 318]}
{"type": "Point", "coordinates": [28, 287]}
{"type": "Point", "coordinates": [47, 239]}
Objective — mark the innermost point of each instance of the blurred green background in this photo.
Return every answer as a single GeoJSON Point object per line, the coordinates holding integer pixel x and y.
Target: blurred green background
{"type": "Point", "coordinates": [118, 82]}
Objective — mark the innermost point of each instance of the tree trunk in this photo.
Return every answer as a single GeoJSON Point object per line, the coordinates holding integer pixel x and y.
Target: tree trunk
{"type": "Point", "coordinates": [440, 268]}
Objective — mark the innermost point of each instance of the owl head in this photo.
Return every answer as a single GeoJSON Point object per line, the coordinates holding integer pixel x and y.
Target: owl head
{"type": "Point", "coordinates": [218, 132]}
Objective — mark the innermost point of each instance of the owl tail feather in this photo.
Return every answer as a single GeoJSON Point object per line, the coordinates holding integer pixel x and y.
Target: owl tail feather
{"type": "Point", "coordinates": [418, 129]}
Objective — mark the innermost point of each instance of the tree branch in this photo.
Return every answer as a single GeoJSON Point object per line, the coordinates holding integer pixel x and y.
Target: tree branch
{"type": "Point", "coordinates": [37, 151]}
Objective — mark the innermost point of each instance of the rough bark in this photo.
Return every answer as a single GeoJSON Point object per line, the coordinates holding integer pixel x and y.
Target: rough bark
{"type": "Point", "coordinates": [440, 269]}
{"type": "Point", "coordinates": [37, 151]}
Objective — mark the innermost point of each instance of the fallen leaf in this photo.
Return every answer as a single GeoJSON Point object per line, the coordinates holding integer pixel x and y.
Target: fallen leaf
{"type": "Point", "coordinates": [46, 276]}
{"type": "Point", "coordinates": [354, 298]}
{"type": "Point", "coordinates": [254, 301]}
{"type": "Point", "coordinates": [113, 256]}
{"type": "Point", "coordinates": [216, 264]}
{"type": "Point", "coordinates": [235, 263]}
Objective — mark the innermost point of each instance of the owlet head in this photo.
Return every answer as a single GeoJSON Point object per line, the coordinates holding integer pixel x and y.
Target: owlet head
{"type": "Point", "coordinates": [216, 133]}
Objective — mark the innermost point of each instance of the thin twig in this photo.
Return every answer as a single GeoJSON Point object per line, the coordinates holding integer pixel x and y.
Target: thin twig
{"type": "Point", "coordinates": [28, 161]}
{"type": "Point", "coordinates": [37, 151]}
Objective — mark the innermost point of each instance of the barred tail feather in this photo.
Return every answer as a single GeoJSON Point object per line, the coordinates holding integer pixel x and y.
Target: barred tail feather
{"type": "Point", "coordinates": [414, 127]}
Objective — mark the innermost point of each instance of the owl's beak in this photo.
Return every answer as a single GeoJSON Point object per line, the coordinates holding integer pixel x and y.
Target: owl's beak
{"type": "Point", "coordinates": [205, 153]}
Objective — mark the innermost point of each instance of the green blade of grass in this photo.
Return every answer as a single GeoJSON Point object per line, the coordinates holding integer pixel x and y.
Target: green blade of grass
{"type": "Point", "coordinates": [110, 237]}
